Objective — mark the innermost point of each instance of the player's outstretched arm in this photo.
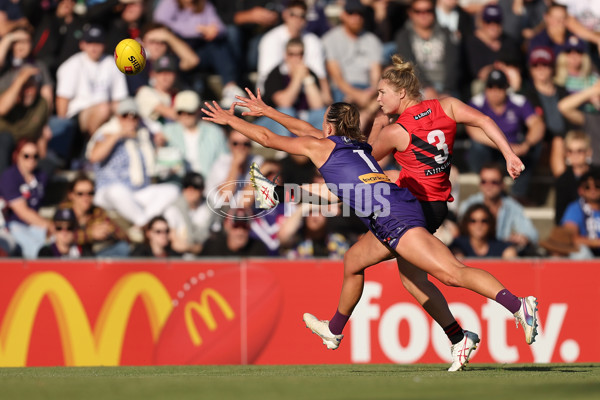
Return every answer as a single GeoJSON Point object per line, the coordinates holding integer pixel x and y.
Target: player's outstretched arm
{"type": "Point", "coordinates": [463, 113]}
{"type": "Point", "coordinates": [313, 148]}
{"type": "Point", "coordinates": [259, 108]}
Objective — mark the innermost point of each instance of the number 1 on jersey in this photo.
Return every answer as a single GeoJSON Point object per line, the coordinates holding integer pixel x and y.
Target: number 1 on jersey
{"type": "Point", "coordinates": [366, 159]}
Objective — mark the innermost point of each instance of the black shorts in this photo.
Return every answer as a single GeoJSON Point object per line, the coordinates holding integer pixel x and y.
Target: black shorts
{"type": "Point", "coordinates": [435, 213]}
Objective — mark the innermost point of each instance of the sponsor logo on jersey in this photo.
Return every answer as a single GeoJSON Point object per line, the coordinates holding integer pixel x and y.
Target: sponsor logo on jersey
{"type": "Point", "coordinates": [423, 114]}
{"type": "Point", "coordinates": [374, 178]}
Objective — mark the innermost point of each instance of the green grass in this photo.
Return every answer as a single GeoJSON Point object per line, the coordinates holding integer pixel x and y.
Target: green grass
{"type": "Point", "coordinates": [330, 382]}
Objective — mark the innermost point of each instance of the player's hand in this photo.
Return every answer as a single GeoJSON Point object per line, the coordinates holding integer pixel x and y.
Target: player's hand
{"type": "Point", "coordinates": [514, 166]}
{"type": "Point", "coordinates": [214, 113]}
{"type": "Point", "coordinates": [255, 104]}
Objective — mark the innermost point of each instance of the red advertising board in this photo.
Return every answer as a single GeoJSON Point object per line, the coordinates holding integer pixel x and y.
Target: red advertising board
{"type": "Point", "coordinates": [103, 312]}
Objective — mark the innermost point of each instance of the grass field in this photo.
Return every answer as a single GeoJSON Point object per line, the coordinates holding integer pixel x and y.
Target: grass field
{"type": "Point", "coordinates": [329, 382]}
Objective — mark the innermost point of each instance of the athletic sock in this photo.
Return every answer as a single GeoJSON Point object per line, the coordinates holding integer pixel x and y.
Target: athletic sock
{"type": "Point", "coordinates": [454, 332]}
{"type": "Point", "coordinates": [338, 322]}
{"type": "Point", "coordinates": [508, 300]}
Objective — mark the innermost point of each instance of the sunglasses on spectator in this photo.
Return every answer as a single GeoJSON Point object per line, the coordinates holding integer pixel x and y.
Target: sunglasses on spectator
{"type": "Point", "coordinates": [295, 53]}
{"type": "Point", "coordinates": [245, 144]}
{"type": "Point", "coordinates": [591, 185]}
{"type": "Point", "coordinates": [578, 151]}
{"type": "Point", "coordinates": [300, 15]}
{"type": "Point", "coordinates": [130, 115]}
{"type": "Point", "coordinates": [574, 51]}
{"type": "Point", "coordinates": [81, 194]}
{"type": "Point", "coordinates": [60, 228]}
{"type": "Point", "coordinates": [541, 65]}
{"type": "Point", "coordinates": [481, 221]}
{"type": "Point", "coordinates": [422, 11]}
{"type": "Point", "coordinates": [241, 224]}
{"type": "Point", "coordinates": [35, 156]}
{"type": "Point", "coordinates": [161, 231]}
{"type": "Point", "coordinates": [180, 112]}
{"type": "Point", "coordinates": [490, 182]}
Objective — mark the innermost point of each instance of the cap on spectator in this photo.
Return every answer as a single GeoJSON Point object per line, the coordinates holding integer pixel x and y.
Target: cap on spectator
{"type": "Point", "coordinates": [574, 43]}
{"type": "Point", "coordinates": [541, 55]}
{"type": "Point", "coordinates": [561, 241]}
{"type": "Point", "coordinates": [492, 13]}
{"type": "Point", "coordinates": [354, 7]}
{"type": "Point", "coordinates": [187, 101]}
{"type": "Point", "coordinates": [193, 179]}
{"type": "Point", "coordinates": [127, 106]}
{"type": "Point", "coordinates": [93, 34]}
{"type": "Point", "coordinates": [165, 63]}
{"type": "Point", "coordinates": [497, 78]}
{"type": "Point", "coordinates": [65, 215]}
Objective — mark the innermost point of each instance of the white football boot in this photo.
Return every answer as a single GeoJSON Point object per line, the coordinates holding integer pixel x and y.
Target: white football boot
{"type": "Point", "coordinates": [321, 328]}
{"type": "Point", "coordinates": [527, 316]}
{"type": "Point", "coordinates": [461, 351]}
{"type": "Point", "coordinates": [264, 189]}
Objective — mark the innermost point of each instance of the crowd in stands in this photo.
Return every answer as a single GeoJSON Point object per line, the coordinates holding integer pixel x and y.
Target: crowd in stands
{"type": "Point", "coordinates": [145, 173]}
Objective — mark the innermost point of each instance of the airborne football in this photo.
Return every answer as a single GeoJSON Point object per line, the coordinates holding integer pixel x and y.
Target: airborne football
{"type": "Point", "coordinates": [130, 57]}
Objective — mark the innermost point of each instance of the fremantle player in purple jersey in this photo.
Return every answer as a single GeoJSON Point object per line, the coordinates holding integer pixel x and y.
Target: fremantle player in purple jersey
{"type": "Point", "coordinates": [390, 212]}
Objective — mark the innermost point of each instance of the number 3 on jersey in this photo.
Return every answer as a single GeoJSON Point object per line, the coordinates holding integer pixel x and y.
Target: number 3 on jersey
{"type": "Point", "coordinates": [438, 139]}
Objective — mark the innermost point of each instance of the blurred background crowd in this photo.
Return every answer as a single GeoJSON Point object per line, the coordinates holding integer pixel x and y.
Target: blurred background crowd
{"type": "Point", "coordinates": [94, 163]}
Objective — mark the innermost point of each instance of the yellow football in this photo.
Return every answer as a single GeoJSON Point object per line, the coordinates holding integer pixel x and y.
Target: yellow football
{"type": "Point", "coordinates": [130, 57]}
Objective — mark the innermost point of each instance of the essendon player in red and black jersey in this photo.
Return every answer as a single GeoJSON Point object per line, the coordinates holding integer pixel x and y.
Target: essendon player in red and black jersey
{"type": "Point", "coordinates": [427, 160]}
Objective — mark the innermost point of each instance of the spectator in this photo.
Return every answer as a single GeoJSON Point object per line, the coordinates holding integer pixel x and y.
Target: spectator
{"type": "Point", "coordinates": [56, 36]}
{"type": "Point", "coordinates": [189, 216]}
{"type": "Point", "coordinates": [478, 236]}
{"type": "Point", "coordinates": [23, 115]}
{"type": "Point", "coordinates": [515, 116]}
{"type": "Point", "coordinates": [247, 21]}
{"type": "Point", "coordinates": [64, 244]}
{"type": "Point", "coordinates": [576, 161]}
{"type": "Point", "coordinates": [95, 229]}
{"type": "Point", "coordinates": [198, 143]}
{"type": "Point", "coordinates": [431, 48]}
{"type": "Point", "coordinates": [587, 119]}
{"type": "Point", "coordinates": [197, 22]}
{"type": "Point", "coordinates": [574, 68]}
{"type": "Point", "coordinates": [354, 61]}
{"type": "Point", "coordinates": [307, 234]}
{"type": "Point", "coordinates": [273, 47]}
{"type": "Point", "coordinates": [22, 186]}
{"type": "Point", "coordinates": [155, 100]}
{"type": "Point", "coordinates": [122, 154]}
{"type": "Point", "coordinates": [584, 21]}
{"type": "Point", "coordinates": [88, 85]}
{"type": "Point", "coordinates": [582, 217]}
{"type": "Point", "coordinates": [229, 176]}
{"type": "Point", "coordinates": [512, 225]}
{"type": "Point", "coordinates": [11, 16]}
{"type": "Point", "coordinates": [159, 41]}
{"type": "Point", "coordinates": [157, 242]}
{"type": "Point", "coordinates": [555, 34]}
{"type": "Point", "coordinates": [234, 240]}
{"type": "Point", "coordinates": [294, 90]}
{"type": "Point", "coordinates": [15, 52]}
{"type": "Point", "coordinates": [521, 19]}
{"type": "Point", "coordinates": [489, 48]}
{"type": "Point", "coordinates": [450, 15]}
{"type": "Point", "coordinates": [544, 95]}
